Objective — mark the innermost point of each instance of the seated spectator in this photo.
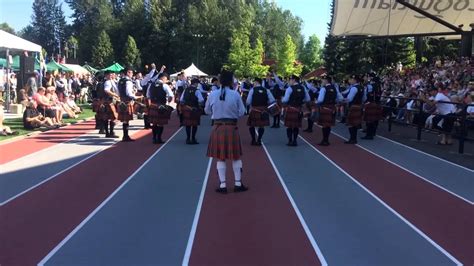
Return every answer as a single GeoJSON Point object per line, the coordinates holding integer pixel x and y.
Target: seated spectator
{"type": "Point", "coordinates": [43, 104]}
{"type": "Point", "coordinates": [32, 118]}
{"type": "Point", "coordinates": [55, 104]}
{"type": "Point", "coordinates": [72, 104]}
{"type": "Point", "coordinates": [446, 115]}
{"type": "Point", "coordinates": [4, 130]}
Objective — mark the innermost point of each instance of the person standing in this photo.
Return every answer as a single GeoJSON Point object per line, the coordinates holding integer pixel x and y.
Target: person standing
{"type": "Point", "coordinates": [258, 100]}
{"type": "Point", "coordinates": [373, 111]}
{"type": "Point", "coordinates": [110, 97]}
{"type": "Point", "coordinates": [355, 98]}
{"type": "Point", "coordinates": [295, 96]}
{"type": "Point", "coordinates": [126, 104]}
{"type": "Point", "coordinates": [328, 95]}
{"type": "Point", "coordinates": [225, 107]}
{"type": "Point", "coordinates": [313, 95]}
{"type": "Point", "coordinates": [191, 102]}
{"type": "Point", "coordinates": [159, 113]}
{"type": "Point", "coordinates": [181, 85]}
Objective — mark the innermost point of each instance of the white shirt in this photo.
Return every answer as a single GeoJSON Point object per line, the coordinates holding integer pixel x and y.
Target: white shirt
{"type": "Point", "coordinates": [110, 86]}
{"type": "Point", "coordinates": [167, 89]}
{"type": "Point", "coordinates": [444, 108]}
{"type": "Point", "coordinates": [231, 108]}
{"type": "Point", "coordinates": [470, 110]}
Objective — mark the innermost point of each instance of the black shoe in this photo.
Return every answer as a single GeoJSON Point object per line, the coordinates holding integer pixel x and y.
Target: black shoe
{"type": "Point", "coordinates": [253, 143]}
{"type": "Point", "coordinates": [188, 142]}
{"type": "Point", "coordinates": [259, 143]}
{"type": "Point", "coordinates": [350, 142]}
{"type": "Point", "coordinates": [127, 139]}
{"type": "Point", "coordinates": [323, 143]}
{"type": "Point", "coordinates": [160, 141]}
{"type": "Point", "coordinates": [294, 144]}
{"type": "Point", "coordinates": [240, 188]}
{"type": "Point", "coordinates": [367, 137]}
{"type": "Point", "coordinates": [221, 190]}
{"type": "Point", "coordinates": [194, 142]}
{"type": "Point", "coordinates": [113, 136]}
{"type": "Point", "coordinates": [155, 141]}
{"type": "Point", "coordinates": [101, 131]}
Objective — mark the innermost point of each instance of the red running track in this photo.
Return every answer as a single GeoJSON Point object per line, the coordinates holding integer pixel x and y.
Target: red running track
{"type": "Point", "coordinates": [257, 227]}
{"type": "Point", "coordinates": [19, 148]}
{"type": "Point", "coordinates": [33, 224]}
{"type": "Point", "coordinates": [446, 219]}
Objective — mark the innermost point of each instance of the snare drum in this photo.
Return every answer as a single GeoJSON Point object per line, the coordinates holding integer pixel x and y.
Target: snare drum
{"type": "Point", "coordinates": [274, 109]}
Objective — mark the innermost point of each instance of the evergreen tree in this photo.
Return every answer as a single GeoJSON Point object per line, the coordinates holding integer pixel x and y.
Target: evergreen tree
{"type": "Point", "coordinates": [257, 69]}
{"type": "Point", "coordinates": [102, 51]}
{"type": "Point", "coordinates": [131, 54]}
{"type": "Point", "coordinates": [311, 54]}
{"type": "Point", "coordinates": [286, 59]}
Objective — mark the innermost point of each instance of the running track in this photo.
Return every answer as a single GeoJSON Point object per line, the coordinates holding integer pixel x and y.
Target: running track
{"type": "Point", "coordinates": [110, 203]}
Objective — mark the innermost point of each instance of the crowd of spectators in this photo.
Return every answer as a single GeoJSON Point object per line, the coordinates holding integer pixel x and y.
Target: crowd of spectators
{"type": "Point", "coordinates": [444, 90]}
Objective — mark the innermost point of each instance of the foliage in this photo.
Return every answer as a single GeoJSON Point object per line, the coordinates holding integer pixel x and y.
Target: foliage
{"type": "Point", "coordinates": [286, 59]}
{"type": "Point", "coordinates": [131, 54]}
{"type": "Point", "coordinates": [311, 54]}
{"type": "Point", "coordinates": [102, 51]}
{"type": "Point", "coordinates": [5, 27]}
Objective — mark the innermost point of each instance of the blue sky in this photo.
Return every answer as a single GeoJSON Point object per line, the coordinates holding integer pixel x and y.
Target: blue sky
{"type": "Point", "coordinates": [315, 14]}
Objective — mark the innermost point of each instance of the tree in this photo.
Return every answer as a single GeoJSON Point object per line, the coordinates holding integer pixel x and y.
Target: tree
{"type": "Point", "coordinates": [5, 27]}
{"type": "Point", "coordinates": [257, 69]}
{"type": "Point", "coordinates": [102, 51]}
{"type": "Point", "coordinates": [131, 54]}
{"type": "Point", "coordinates": [286, 59]}
{"type": "Point", "coordinates": [311, 54]}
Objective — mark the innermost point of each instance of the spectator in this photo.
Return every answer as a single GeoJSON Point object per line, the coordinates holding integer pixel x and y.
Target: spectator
{"type": "Point", "coordinates": [33, 119]}
{"type": "Point", "coordinates": [43, 104]}
{"type": "Point", "coordinates": [445, 115]}
{"type": "Point", "coordinates": [32, 85]}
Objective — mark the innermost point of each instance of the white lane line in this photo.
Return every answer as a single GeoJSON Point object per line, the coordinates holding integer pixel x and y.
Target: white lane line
{"type": "Point", "coordinates": [192, 234]}
{"type": "Point", "coordinates": [430, 155]}
{"type": "Point", "coordinates": [297, 211]}
{"type": "Point", "coordinates": [409, 171]}
{"type": "Point", "coordinates": [73, 232]}
{"type": "Point", "coordinates": [442, 250]}
{"type": "Point", "coordinates": [60, 172]}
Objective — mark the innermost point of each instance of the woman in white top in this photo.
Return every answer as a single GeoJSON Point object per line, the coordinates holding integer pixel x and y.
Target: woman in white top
{"type": "Point", "coordinates": [446, 115]}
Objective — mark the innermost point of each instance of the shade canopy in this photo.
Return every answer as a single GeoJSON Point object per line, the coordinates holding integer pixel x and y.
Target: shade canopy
{"type": "Point", "coordinates": [15, 43]}
{"type": "Point", "coordinates": [77, 69]}
{"type": "Point", "coordinates": [90, 69]}
{"type": "Point", "coordinates": [116, 67]}
{"type": "Point", "coordinates": [54, 66]}
{"type": "Point", "coordinates": [16, 63]}
{"type": "Point", "coordinates": [192, 70]}
{"type": "Point", "coordinates": [387, 17]}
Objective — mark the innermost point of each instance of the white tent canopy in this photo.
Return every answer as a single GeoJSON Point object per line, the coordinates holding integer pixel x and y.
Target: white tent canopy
{"type": "Point", "coordinates": [192, 70]}
{"type": "Point", "coordinates": [15, 43]}
{"type": "Point", "coordinates": [77, 69]}
{"type": "Point", "coordinates": [387, 17]}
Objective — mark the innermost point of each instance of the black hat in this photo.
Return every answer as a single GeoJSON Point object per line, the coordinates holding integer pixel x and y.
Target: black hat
{"type": "Point", "coordinates": [327, 77]}
{"type": "Point", "coordinates": [107, 72]}
{"type": "Point", "coordinates": [214, 79]}
{"type": "Point", "coordinates": [162, 75]}
{"type": "Point", "coordinates": [195, 81]}
{"type": "Point", "coordinates": [295, 77]}
{"type": "Point", "coordinates": [259, 80]}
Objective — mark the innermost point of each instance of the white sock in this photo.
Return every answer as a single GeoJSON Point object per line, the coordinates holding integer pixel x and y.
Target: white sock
{"type": "Point", "coordinates": [237, 166]}
{"type": "Point", "coordinates": [221, 171]}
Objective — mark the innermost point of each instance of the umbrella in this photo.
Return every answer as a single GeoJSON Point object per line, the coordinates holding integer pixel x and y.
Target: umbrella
{"type": "Point", "coordinates": [54, 66]}
{"type": "Point", "coordinates": [116, 67]}
{"type": "Point", "coordinates": [90, 69]}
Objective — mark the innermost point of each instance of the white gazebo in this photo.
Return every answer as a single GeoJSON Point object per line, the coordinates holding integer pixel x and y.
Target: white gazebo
{"type": "Point", "coordinates": [191, 71]}
{"type": "Point", "coordinates": [12, 43]}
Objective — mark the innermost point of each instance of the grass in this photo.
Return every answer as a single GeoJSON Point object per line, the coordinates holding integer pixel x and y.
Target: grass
{"type": "Point", "coordinates": [16, 124]}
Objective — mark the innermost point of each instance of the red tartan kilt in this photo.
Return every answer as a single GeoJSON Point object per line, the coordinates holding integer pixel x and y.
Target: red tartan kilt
{"type": "Point", "coordinates": [224, 143]}
{"type": "Point", "coordinates": [258, 117]}
{"type": "Point", "coordinates": [158, 116]}
{"type": "Point", "coordinates": [293, 117]}
{"type": "Point", "coordinates": [126, 114]}
{"type": "Point", "coordinates": [96, 103]}
{"type": "Point", "coordinates": [372, 112]}
{"type": "Point", "coordinates": [191, 118]}
{"type": "Point", "coordinates": [354, 117]}
{"type": "Point", "coordinates": [107, 111]}
{"type": "Point", "coordinates": [327, 116]}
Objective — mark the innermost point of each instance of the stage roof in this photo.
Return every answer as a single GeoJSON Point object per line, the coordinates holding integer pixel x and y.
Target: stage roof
{"type": "Point", "coordinates": [387, 17]}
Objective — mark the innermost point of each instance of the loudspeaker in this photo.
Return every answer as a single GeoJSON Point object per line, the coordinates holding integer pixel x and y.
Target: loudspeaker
{"type": "Point", "coordinates": [27, 64]}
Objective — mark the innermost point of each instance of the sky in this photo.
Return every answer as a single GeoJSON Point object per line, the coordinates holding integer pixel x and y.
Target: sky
{"type": "Point", "coordinates": [314, 13]}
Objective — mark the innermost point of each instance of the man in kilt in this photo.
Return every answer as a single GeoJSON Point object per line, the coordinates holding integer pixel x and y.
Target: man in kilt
{"type": "Point", "coordinates": [159, 113]}
{"type": "Point", "coordinates": [328, 94]}
{"type": "Point", "coordinates": [277, 90]}
{"type": "Point", "coordinates": [110, 111]}
{"type": "Point", "coordinates": [98, 104]}
{"type": "Point", "coordinates": [146, 83]}
{"type": "Point", "coordinates": [190, 104]}
{"type": "Point", "coordinates": [313, 95]}
{"type": "Point", "coordinates": [373, 111]}
{"type": "Point", "coordinates": [181, 85]}
{"type": "Point", "coordinates": [225, 107]}
{"type": "Point", "coordinates": [126, 105]}
{"type": "Point", "coordinates": [355, 98]}
{"type": "Point", "coordinates": [295, 96]}
{"type": "Point", "coordinates": [258, 100]}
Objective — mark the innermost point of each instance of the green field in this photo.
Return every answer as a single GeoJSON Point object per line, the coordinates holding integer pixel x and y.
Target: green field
{"type": "Point", "coordinates": [16, 124]}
